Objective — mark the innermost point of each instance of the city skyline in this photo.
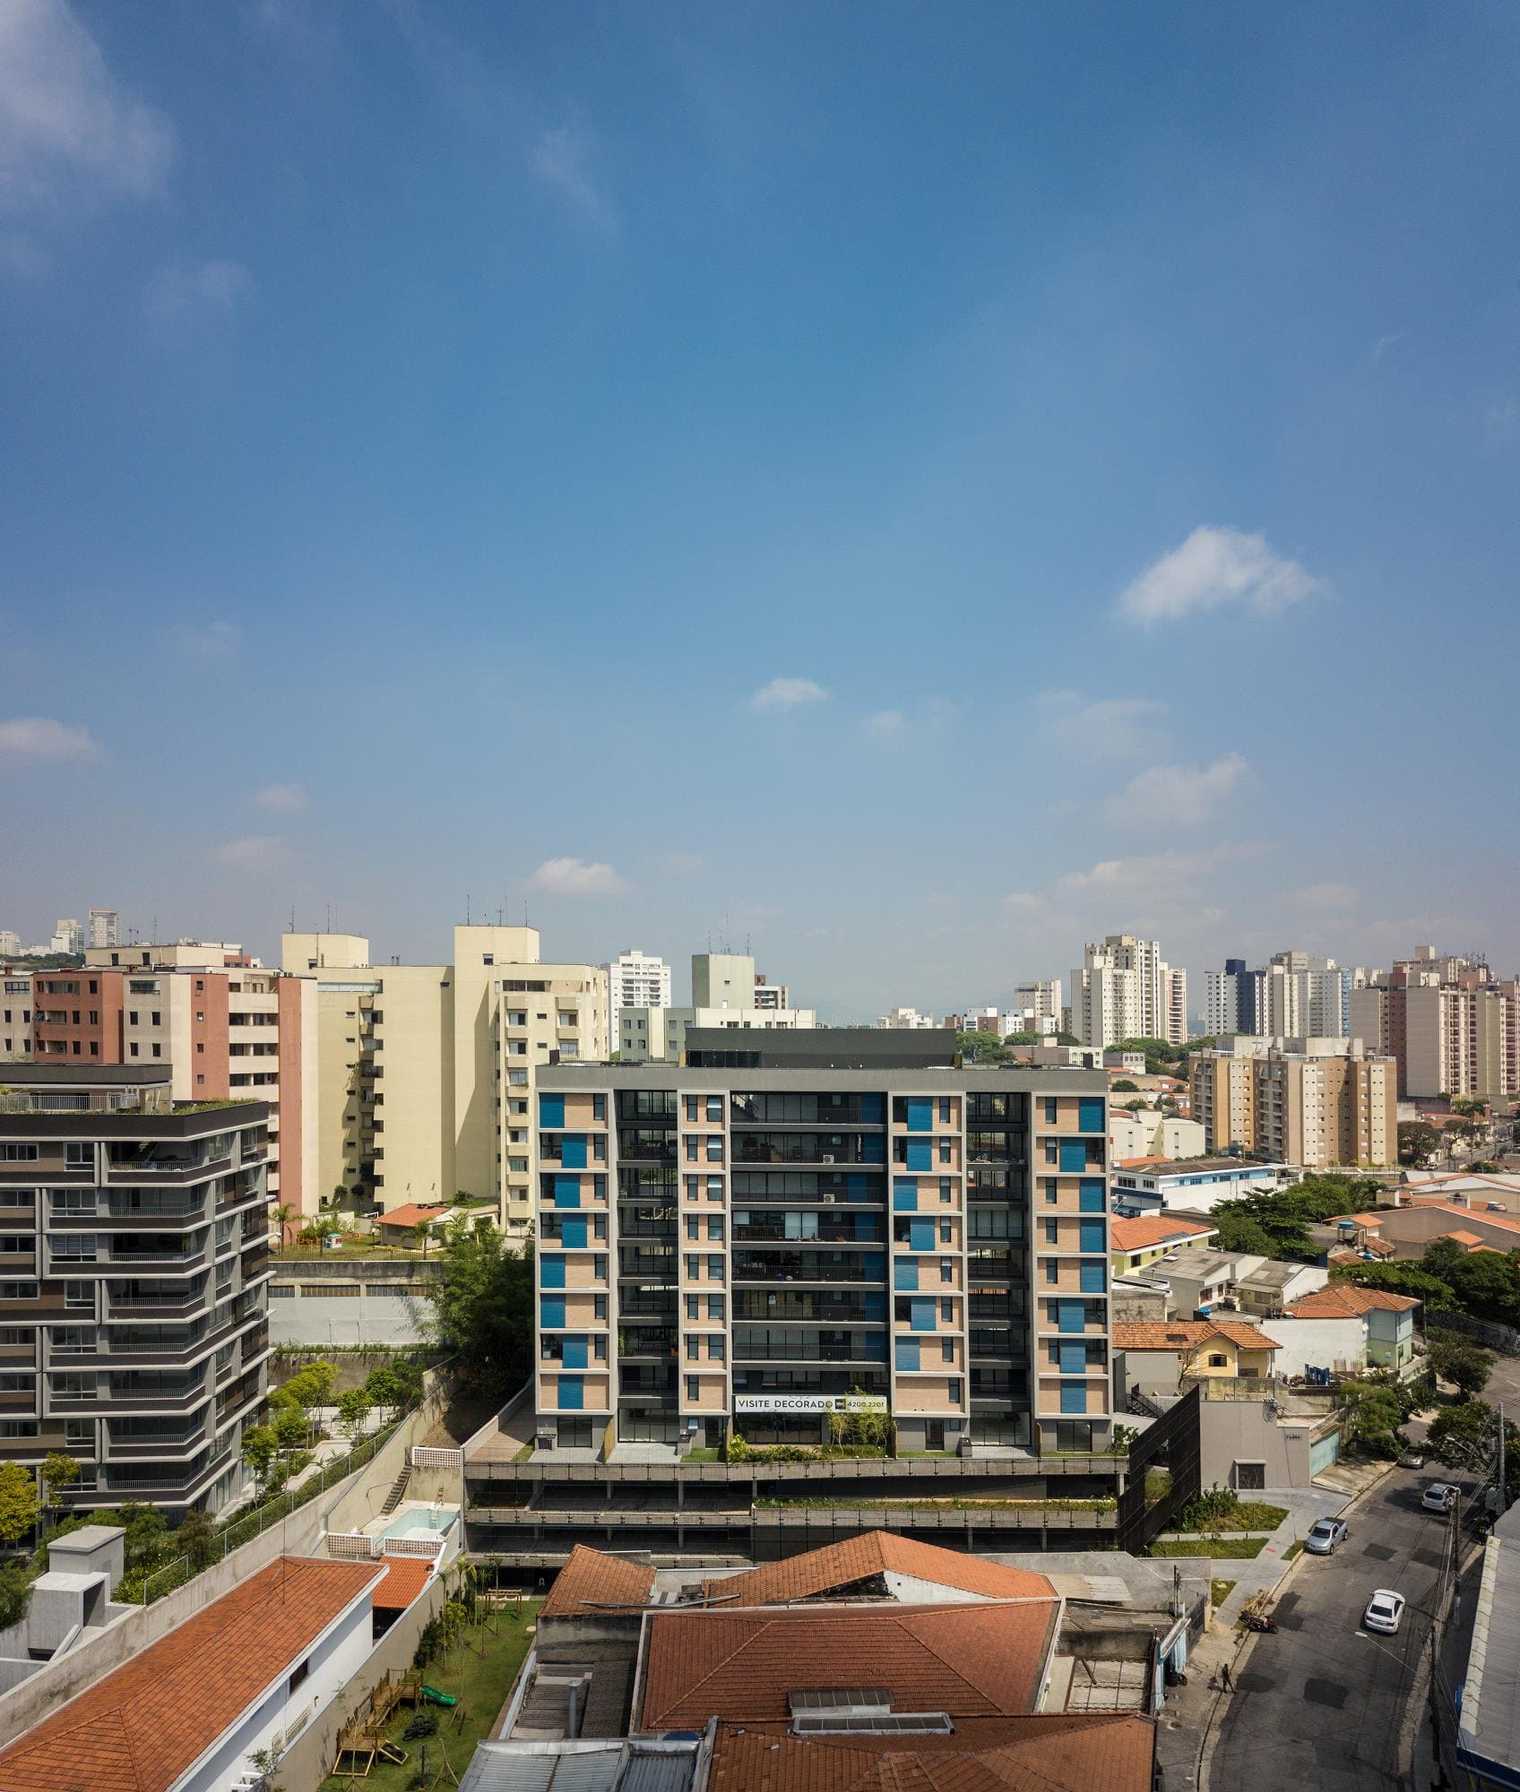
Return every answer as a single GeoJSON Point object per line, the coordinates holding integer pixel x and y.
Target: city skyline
{"type": "Point", "coordinates": [1148, 541]}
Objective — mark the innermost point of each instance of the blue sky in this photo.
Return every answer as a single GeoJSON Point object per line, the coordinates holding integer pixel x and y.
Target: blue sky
{"type": "Point", "coordinates": [911, 487]}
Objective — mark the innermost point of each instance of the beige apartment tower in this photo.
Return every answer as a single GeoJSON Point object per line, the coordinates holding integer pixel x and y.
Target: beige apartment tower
{"type": "Point", "coordinates": [1317, 1110]}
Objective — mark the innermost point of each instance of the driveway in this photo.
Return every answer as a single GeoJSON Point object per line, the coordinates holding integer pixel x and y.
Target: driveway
{"type": "Point", "coordinates": [1317, 1703]}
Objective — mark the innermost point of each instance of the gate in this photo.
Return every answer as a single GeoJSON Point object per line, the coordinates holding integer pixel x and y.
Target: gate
{"type": "Point", "coordinates": [1171, 1443]}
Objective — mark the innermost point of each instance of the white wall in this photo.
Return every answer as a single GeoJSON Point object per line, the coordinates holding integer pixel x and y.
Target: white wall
{"type": "Point", "coordinates": [1316, 1343]}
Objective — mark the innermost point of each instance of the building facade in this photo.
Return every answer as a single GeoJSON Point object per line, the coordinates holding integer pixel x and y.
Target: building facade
{"type": "Point", "coordinates": [104, 927]}
{"type": "Point", "coordinates": [751, 1247]}
{"type": "Point", "coordinates": [1453, 1027]}
{"type": "Point", "coordinates": [1124, 989]}
{"type": "Point", "coordinates": [636, 979]}
{"type": "Point", "coordinates": [134, 1330]}
{"type": "Point", "coordinates": [1317, 1103]}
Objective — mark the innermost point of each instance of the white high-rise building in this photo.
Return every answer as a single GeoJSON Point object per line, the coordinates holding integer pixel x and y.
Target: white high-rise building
{"type": "Point", "coordinates": [104, 927]}
{"type": "Point", "coordinates": [68, 936]}
{"type": "Point", "coordinates": [1124, 989]}
{"type": "Point", "coordinates": [637, 979]}
{"type": "Point", "coordinates": [10, 943]}
{"type": "Point", "coordinates": [907, 1017]}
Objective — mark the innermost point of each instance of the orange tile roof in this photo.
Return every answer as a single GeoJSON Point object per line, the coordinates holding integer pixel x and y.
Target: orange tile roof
{"type": "Point", "coordinates": [1348, 1300]}
{"type": "Point", "coordinates": [839, 1565]}
{"type": "Point", "coordinates": [143, 1725]}
{"type": "Point", "coordinates": [1154, 1228]}
{"type": "Point", "coordinates": [412, 1214]}
{"type": "Point", "coordinates": [967, 1660]}
{"type": "Point", "coordinates": [405, 1578]}
{"type": "Point", "coordinates": [1244, 1335]}
{"type": "Point", "coordinates": [1187, 1334]}
{"type": "Point", "coordinates": [1059, 1752]}
{"type": "Point", "coordinates": [592, 1579]}
{"type": "Point", "coordinates": [1460, 1237]}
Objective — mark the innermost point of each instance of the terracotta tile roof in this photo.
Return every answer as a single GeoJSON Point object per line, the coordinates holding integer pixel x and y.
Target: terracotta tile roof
{"type": "Point", "coordinates": [1152, 1229]}
{"type": "Point", "coordinates": [143, 1725]}
{"type": "Point", "coordinates": [1369, 1220]}
{"type": "Point", "coordinates": [840, 1565]}
{"type": "Point", "coordinates": [967, 1660]}
{"type": "Point", "coordinates": [1061, 1752]}
{"type": "Point", "coordinates": [1140, 1163]}
{"type": "Point", "coordinates": [591, 1579]}
{"type": "Point", "coordinates": [1348, 1300]}
{"type": "Point", "coordinates": [1244, 1335]}
{"type": "Point", "coordinates": [1460, 1237]}
{"type": "Point", "coordinates": [1503, 1222]}
{"type": "Point", "coordinates": [411, 1215]}
{"type": "Point", "coordinates": [1187, 1334]}
{"type": "Point", "coordinates": [405, 1578]}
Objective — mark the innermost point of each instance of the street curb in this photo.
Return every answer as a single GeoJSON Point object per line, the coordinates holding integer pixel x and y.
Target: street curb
{"type": "Point", "coordinates": [1244, 1649]}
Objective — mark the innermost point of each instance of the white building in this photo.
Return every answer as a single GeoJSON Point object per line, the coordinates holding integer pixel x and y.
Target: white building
{"type": "Point", "coordinates": [906, 1017]}
{"type": "Point", "coordinates": [1036, 1007]}
{"type": "Point", "coordinates": [1147, 1132]}
{"type": "Point", "coordinates": [104, 927]}
{"type": "Point", "coordinates": [772, 995]}
{"type": "Point", "coordinates": [1124, 989]}
{"type": "Point", "coordinates": [10, 943]}
{"type": "Point", "coordinates": [635, 979]}
{"type": "Point", "coordinates": [68, 936]}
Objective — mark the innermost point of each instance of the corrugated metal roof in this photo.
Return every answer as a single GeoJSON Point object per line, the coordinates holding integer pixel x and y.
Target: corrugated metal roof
{"type": "Point", "coordinates": [1489, 1727]}
{"type": "Point", "coordinates": [571, 1767]}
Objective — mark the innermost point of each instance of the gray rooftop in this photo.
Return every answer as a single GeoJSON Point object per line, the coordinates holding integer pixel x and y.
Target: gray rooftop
{"type": "Point", "coordinates": [614, 1766]}
{"type": "Point", "coordinates": [906, 1078]}
{"type": "Point", "coordinates": [1489, 1726]}
{"type": "Point", "coordinates": [1190, 1166]}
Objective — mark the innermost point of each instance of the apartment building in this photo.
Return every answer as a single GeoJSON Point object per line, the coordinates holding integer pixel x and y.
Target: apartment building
{"type": "Point", "coordinates": [796, 1225]}
{"type": "Point", "coordinates": [636, 979]}
{"type": "Point", "coordinates": [1037, 1007]}
{"type": "Point", "coordinates": [225, 1026]}
{"type": "Point", "coordinates": [1126, 990]}
{"type": "Point", "coordinates": [426, 1071]}
{"type": "Point", "coordinates": [1452, 1026]}
{"type": "Point", "coordinates": [1295, 994]}
{"type": "Point", "coordinates": [133, 1326]}
{"type": "Point", "coordinates": [771, 995]}
{"type": "Point", "coordinates": [68, 936]}
{"type": "Point", "coordinates": [725, 993]}
{"type": "Point", "coordinates": [906, 1019]}
{"type": "Point", "coordinates": [1317, 1103]}
{"type": "Point", "coordinates": [104, 928]}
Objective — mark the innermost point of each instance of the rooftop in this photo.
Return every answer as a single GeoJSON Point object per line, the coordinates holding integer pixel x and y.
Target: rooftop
{"type": "Point", "coordinates": [839, 1566]}
{"type": "Point", "coordinates": [1488, 1729]}
{"type": "Point", "coordinates": [1187, 1334]}
{"type": "Point", "coordinates": [1183, 1166]}
{"type": "Point", "coordinates": [414, 1213]}
{"type": "Point", "coordinates": [142, 1726]}
{"type": "Point", "coordinates": [591, 1581]}
{"type": "Point", "coordinates": [614, 1765]}
{"type": "Point", "coordinates": [965, 1660]}
{"type": "Point", "coordinates": [405, 1578]}
{"type": "Point", "coordinates": [1349, 1300]}
{"type": "Point", "coordinates": [995, 1754]}
{"type": "Point", "coordinates": [1154, 1229]}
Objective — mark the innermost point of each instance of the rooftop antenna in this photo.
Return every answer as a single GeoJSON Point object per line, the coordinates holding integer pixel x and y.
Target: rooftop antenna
{"type": "Point", "coordinates": [467, 908]}
{"type": "Point", "coordinates": [292, 918]}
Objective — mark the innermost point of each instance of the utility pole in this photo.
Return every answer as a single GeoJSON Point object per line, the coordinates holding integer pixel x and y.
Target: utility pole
{"type": "Point", "coordinates": [1501, 1461]}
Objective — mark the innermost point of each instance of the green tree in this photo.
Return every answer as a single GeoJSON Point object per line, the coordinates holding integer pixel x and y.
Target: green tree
{"type": "Point", "coordinates": [353, 1411]}
{"type": "Point", "coordinates": [1400, 1278]}
{"type": "Point", "coordinates": [196, 1538]}
{"type": "Point", "coordinates": [59, 1473]}
{"type": "Point", "coordinates": [282, 1214]}
{"type": "Point", "coordinates": [147, 1533]}
{"type": "Point", "coordinates": [1457, 1360]}
{"type": "Point", "coordinates": [15, 1593]}
{"type": "Point", "coordinates": [1487, 1285]}
{"type": "Point", "coordinates": [292, 1428]}
{"type": "Point", "coordinates": [1123, 1086]}
{"type": "Point", "coordinates": [1419, 1142]}
{"type": "Point", "coordinates": [18, 1502]}
{"type": "Point", "coordinates": [261, 1455]}
{"type": "Point", "coordinates": [1466, 1437]}
{"type": "Point", "coordinates": [979, 1048]}
{"type": "Point", "coordinates": [482, 1313]}
{"type": "Point", "coordinates": [1372, 1415]}
{"type": "Point", "coordinates": [312, 1384]}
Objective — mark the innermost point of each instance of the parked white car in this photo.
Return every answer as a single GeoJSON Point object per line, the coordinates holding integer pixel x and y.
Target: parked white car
{"type": "Point", "coordinates": [1384, 1611]}
{"type": "Point", "coordinates": [1440, 1496]}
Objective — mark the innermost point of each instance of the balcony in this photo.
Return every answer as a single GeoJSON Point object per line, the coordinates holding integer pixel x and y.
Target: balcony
{"type": "Point", "coordinates": [150, 1439]}
{"type": "Point", "coordinates": [827, 1267]}
{"type": "Point", "coordinates": [143, 1298]}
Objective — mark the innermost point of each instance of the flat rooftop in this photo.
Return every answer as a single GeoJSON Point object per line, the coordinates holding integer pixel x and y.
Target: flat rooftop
{"type": "Point", "coordinates": [928, 1079]}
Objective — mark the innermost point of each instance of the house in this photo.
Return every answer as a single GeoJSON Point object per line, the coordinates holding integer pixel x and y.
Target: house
{"type": "Point", "coordinates": [1406, 1232]}
{"type": "Point", "coordinates": [1388, 1320]}
{"type": "Point", "coordinates": [877, 1565]}
{"type": "Point", "coordinates": [1134, 1243]}
{"type": "Point", "coordinates": [1274, 1285]}
{"type": "Point", "coordinates": [1190, 1185]}
{"type": "Point", "coordinates": [1158, 1358]}
{"type": "Point", "coordinates": [399, 1226]}
{"type": "Point", "coordinates": [185, 1714]}
{"type": "Point", "coordinates": [1199, 1277]}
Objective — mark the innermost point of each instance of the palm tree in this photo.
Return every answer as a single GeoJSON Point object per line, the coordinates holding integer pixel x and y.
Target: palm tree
{"type": "Point", "coordinates": [281, 1216]}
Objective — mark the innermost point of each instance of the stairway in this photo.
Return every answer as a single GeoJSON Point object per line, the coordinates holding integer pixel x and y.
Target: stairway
{"type": "Point", "coordinates": [397, 1492]}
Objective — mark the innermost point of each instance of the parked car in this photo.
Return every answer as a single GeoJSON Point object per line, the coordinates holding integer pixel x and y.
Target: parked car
{"type": "Point", "coordinates": [1439, 1496]}
{"type": "Point", "coordinates": [1413, 1457]}
{"type": "Point", "coordinates": [1324, 1535]}
{"type": "Point", "coordinates": [1384, 1610]}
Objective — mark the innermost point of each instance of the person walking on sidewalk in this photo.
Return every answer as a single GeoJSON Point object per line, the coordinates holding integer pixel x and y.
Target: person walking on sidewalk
{"type": "Point", "coordinates": [1227, 1684]}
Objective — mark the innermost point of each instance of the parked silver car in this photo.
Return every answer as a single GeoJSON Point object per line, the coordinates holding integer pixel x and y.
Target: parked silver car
{"type": "Point", "coordinates": [1324, 1535]}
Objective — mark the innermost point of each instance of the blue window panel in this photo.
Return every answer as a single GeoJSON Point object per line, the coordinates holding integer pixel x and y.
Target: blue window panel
{"type": "Point", "coordinates": [1093, 1278]}
{"type": "Point", "coordinates": [1090, 1113]}
{"type": "Point", "coordinates": [1091, 1235]}
{"type": "Point", "coordinates": [572, 1233]}
{"type": "Point", "coordinates": [1073, 1359]}
{"type": "Point", "coordinates": [574, 1352]}
{"type": "Point", "coordinates": [905, 1276]}
{"type": "Point", "coordinates": [904, 1196]}
{"type": "Point", "coordinates": [1072, 1316]}
{"type": "Point", "coordinates": [572, 1150]}
{"type": "Point", "coordinates": [873, 1109]}
{"type": "Point", "coordinates": [1073, 1396]}
{"type": "Point", "coordinates": [873, 1148]}
{"type": "Point", "coordinates": [1090, 1195]}
{"type": "Point", "coordinates": [1073, 1156]}
{"type": "Point", "coordinates": [551, 1110]}
{"type": "Point", "coordinates": [907, 1353]}
{"type": "Point", "coordinates": [551, 1311]}
{"type": "Point", "coordinates": [920, 1154]}
{"type": "Point", "coordinates": [876, 1304]}
{"type": "Point", "coordinates": [920, 1114]}
{"type": "Point", "coordinates": [551, 1271]}
{"type": "Point", "coordinates": [876, 1265]}
{"type": "Point", "coordinates": [572, 1392]}
{"type": "Point", "coordinates": [921, 1235]}
{"type": "Point", "coordinates": [923, 1315]}
{"type": "Point", "coordinates": [857, 1187]}
{"type": "Point", "coordinates": [567, 1191]}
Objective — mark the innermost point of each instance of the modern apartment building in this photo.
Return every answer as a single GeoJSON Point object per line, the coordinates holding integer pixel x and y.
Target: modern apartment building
{"type": "Point", "coordinates": [1126, 990]}
{"type": "Point", "coordinates": [636, 979]}
{"type": "Point", "coordinates": [795, 1225]}
{"type": "Point", "coordinates": [133, 1328]}
{"type": "Point", "coordinates": [906, 1019]}
{"type": "Point", "coordinates": [1296, 994]}
{"type": "Point", "coordinates": [1317, 1103]}
{"type": "Point", "coordinates": [771, 995]}
{"type": "Point", "coordinates": [226, 1027]}
{"type": "Point", "coordinates": [104, 927]}
{"type": "Point", "coordinates": [1037, 1007]}
{"type": "Point", "coordinates": [68, 936]}
{"type": "Point", "coordinates": [426, 1071]}
{"type": "Point", "coordinates": [725, 993]}
{"type": "Point", "coordinates": [1453, 1026]}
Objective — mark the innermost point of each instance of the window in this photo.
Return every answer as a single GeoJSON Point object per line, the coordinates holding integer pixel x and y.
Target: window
{"type": "Point", "coordinates": [599, 1307]}
{"type": "Point", "coordinates": [693, 1388]}
{"type": "Point", "coordinates": [1048, 1102]}
{"type": "Point", "coordinates": [694, 1269]}
{"type": "Point", "coordinates": [955, 1390]}
{"type": "Point", "coordinates": [1217, 1360]}
{"type": "Point", "coordinates": [18, 1291]}
{"type": "Point", "coordinates": [714, 1148]}
{"type": "Point", "coordinates": [691, 1347]}
{"type": "Point", "coordinates": [947, 1269]}
{"type": "Point", "coordinates": [947, 1350]}
{"type": "Point", "coordinates": [17, 1244]}
{"type": "Point", "coordinates": [18, 1427]}
{"type": "Point", "coordinates": [693, 1302]}
{"type": "Point", "coordinates": [715, 1269]}
{"type": "Point", "coordinates": [944, 1151]}
{"type": "Point", "coordinates": [1052, 1231]}
{"type": "Point", "coordinates": [946, 1230]}
{"type": "Point", "coordinates": [1049, 1189]}
{"type": "Point", "coordinates": [944, 1110]}
{"type": "Point", "coordinates": [714, 1229]}
{"type": "Point", "coordinates": [599, 1107]}
{"type": "Point", "coordinates": [78, 1157]}
{"type": "Point", "coordinates": [305, 1668]}
{"type": "Point", "coordinates": [946, 1190]}
{"type": "Point", "coordinates": [691, 1150]}
{"type": "Point", "coordinates": [18, 1154]}
{"type": "Point", "coordinates": [79, 1294]}
{"type": "Point", "coordinates": [1052, 1271]}
{"type": "Point", "coordinates": [715, 1188]}
{"type": "Point", "coordinates": [715, 1108]}
{"type": "Point", "coordinates": [691, 1110]}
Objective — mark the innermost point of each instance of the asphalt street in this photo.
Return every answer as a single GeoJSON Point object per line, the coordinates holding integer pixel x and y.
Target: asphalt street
{"type": "Point", "coordinates": [1321, 1703]}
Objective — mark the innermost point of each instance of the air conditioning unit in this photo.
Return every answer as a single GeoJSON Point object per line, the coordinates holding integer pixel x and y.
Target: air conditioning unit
{"type": "Point", "coordinates": [827, 1157]}
{"type": "Point", "coordinates": [828, 1200]}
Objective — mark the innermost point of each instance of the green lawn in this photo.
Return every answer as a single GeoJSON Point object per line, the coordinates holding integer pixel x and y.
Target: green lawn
{"type": "Point", "coordinates": [1292, 1550]}
{"type": "Point", "coordinates": [479, 1670]}
{"type": "Point", "coordinates": [1221, 1548]}
{"type": "Point", "coordinates": [1219, 1591]}
{"type": "Point", "coordinates": [1250, 1515]}
{"type": "Point", "coordinates": [1158, 1483]}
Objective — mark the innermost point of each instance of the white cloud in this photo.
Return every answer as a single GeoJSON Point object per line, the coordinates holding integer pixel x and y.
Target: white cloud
{"type": "Point", "coordinates": [252, 852]}
{"type": "Point", "coordinates": [40, 737]}
{"type": "Point", "coordinates": [62, 115]}
{"type": "Point", "coordinates": [208, 640]}
{"type": "Point", "coordinates": [1326, 899]}
{"type": "Point", "coordinates": [787, 693]}
{"type": "Point", "coordinates": [1384, 343]}
{"type": "Point", "coordinates": [576, 877]}
{"type": "Point", "coordinates": [886, 724]}
{"type": "Point", "coordinates": [203, 288]}
{"type": "Point", "coordinates": [1177, 795]}
{"type": "Point", "coordinates": [1213, 568]}
{"type": "Point", "coordinates": [1023, 902]}
{"type": "Point", "coordinates": [1102, 727]}
{"type": "Point", "coordinates": [563, 160]}
{"type": "Point", "coordinates": [283, 799]}
{"type": "Point", "coordinates": [680, 864]}
{"type": "Point", "coordinates": [1159, 873]}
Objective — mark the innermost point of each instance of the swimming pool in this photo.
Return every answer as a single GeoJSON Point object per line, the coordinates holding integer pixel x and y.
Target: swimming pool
{"type": "Point", "coordinates": [422, 1521]}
